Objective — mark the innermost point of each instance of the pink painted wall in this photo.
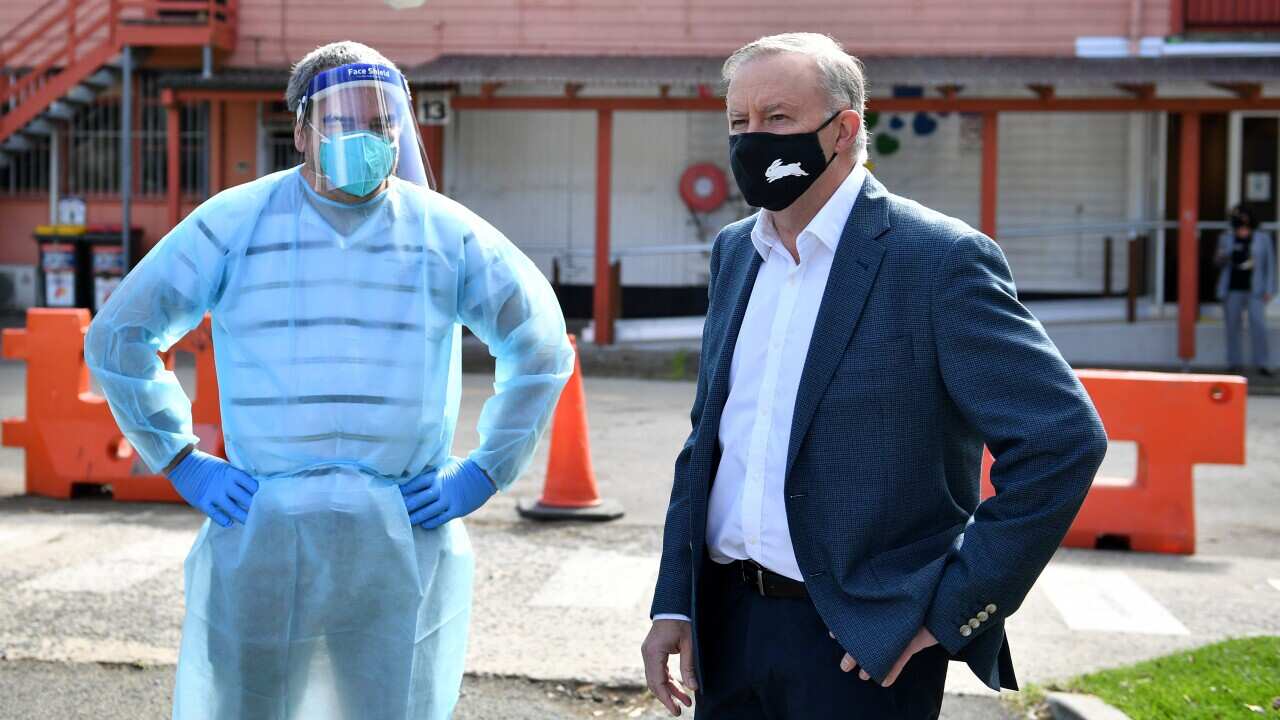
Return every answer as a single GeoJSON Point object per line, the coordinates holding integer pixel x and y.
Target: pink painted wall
{"type": "Point", "coordinates": [277, 32]}
{"type": "Point", "coordinates": [20, 216]}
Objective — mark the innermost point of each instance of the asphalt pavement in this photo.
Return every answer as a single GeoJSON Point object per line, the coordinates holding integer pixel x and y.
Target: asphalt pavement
{"type": "Point", "coordinates": [91, 596]}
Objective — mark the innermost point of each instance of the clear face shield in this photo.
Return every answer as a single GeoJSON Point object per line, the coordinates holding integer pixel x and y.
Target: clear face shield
{"type": "Point", "coordinates": [358, 128]}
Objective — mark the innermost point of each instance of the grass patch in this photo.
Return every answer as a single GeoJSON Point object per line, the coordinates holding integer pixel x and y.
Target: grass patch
{"type": "Point", "coordinates": [1029, 697]}
{"type": "Point", "coordinates": [1237, 678]}
{"type": "Point", "coordinates": [679, 365]}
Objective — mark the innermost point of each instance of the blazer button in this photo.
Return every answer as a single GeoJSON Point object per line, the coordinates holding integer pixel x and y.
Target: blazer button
{"type": "Point", "coordinates": [973, 623]}
{"type": "Point", "coordinates": [965, 631]}
{"type": "Point", "coordinates": [991, 609]}
{"type": "Point", "coordinates": [983, 616]}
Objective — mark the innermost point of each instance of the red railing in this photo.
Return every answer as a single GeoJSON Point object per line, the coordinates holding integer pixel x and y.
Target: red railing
{"type": "Point", "coordinates": [50, 39]}
{"type": "Point", "coordinates": [64, 41]}
{"type": "Point", "coordinates": [1231, 15]}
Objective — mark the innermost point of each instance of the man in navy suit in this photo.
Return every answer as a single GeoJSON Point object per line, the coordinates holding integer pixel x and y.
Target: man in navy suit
{"type": "Point", "coordinates": [825, 552]}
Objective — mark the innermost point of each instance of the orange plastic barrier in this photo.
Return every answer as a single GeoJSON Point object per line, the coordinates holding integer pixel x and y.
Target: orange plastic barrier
{"type": "Point", "coordinates": [1176, 421]}
{"type": "Point", "coordinates": [69, 434]}
{"type": "Point", "coordinates": [570, 491]}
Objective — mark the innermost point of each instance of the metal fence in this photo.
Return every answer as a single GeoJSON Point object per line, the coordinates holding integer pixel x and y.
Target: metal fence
{"type": "Point", "coordinates": [27, 172]}
{"type": "Point", "coordinates": [281, 153]}
{"type": "Point", "coordinates": [90, 163]}
{"type": "Point", "coordinates": [276, 138]}
{"type": "Point", "coordinates": [1125, 259]}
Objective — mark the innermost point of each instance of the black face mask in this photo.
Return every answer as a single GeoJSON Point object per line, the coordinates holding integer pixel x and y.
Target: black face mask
{"type": "Point", "coordinates": [774, 170]}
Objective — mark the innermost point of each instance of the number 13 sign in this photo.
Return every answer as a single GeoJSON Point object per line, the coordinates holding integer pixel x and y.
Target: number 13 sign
{"type": "Point", "coordinates": [433, 108]}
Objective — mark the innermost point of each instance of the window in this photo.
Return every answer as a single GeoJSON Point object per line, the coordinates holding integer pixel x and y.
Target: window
{"type": "Point", "coordinates": [27, 172]}
{"type": "Point", "coordinates": [277, 123]}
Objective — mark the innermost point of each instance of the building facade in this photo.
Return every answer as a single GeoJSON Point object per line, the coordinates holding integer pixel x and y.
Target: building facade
{"type": "Point", "coordinates": [1100, 142]}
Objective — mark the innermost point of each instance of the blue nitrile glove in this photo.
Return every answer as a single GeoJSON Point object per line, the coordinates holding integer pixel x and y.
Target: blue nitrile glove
{"type": "Point", "coordinates": [455, 489]}
{"type": "Point", "coordinates": [211, 485]}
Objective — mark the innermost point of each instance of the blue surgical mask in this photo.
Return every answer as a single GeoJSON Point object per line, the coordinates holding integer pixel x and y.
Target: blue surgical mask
{"type": "Point", "coordinates": [357, 162]}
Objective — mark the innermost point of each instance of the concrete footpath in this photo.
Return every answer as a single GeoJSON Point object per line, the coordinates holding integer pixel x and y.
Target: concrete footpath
{"type": "Point", "coordinates": [91, 590]}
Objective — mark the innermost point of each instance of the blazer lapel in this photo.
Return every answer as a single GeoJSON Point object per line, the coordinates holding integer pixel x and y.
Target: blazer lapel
{"type": "Point", "coordinates": [743, 280]}
{"type": "Point", "coordinates": [853, 270]}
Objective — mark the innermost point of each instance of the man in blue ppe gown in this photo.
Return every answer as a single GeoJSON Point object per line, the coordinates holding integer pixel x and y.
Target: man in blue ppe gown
{"type": "Point", "coordinates": [330, 580]}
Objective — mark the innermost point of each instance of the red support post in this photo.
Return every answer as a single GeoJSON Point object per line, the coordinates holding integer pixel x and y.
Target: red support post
{"type": "Point", "coordinates": [217, 174]}
{"type": "Point", "coordinates": [990, 167]}
{"type": "Point", "coordinates": [1188, 235]}
{"type": "Point", "coordinates": [139, 107]}
{"type": "Point", "coordinates": [173, 152]}
{"type": "Point", "coordinates": [604, 310]}
{"type": "Point", "coordinates": [433, 143]}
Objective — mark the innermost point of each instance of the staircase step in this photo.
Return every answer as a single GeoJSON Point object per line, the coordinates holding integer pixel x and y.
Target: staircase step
{"type": "Point", "coordinates": [81, 94]}
{"type": "Point", "coordinates": [16, 143]}
{"type": "Point", "coordinates": [39, 126]}
{"type": "Point", "coordinates": [60, 110]}
{"type": "Point", "coordinates": [104, 78]}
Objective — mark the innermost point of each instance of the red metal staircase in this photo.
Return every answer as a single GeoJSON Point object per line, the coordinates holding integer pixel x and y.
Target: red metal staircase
{"type": "Point", "coordinates": [66, 52]}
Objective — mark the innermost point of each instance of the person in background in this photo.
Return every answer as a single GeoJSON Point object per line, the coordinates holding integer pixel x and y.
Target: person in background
{"type": "Point", "coordinates": [332, 578]}
{"type": "Point", "coordinates": [1246, 282]}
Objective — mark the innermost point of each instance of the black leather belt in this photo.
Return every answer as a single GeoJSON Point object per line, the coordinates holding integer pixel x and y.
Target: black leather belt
{"type": "Point", "coordinates": [769, 583]}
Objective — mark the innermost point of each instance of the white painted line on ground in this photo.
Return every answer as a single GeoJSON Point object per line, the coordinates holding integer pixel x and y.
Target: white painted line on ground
{"type": "Point", "coordinates": [118, 570]}
{"type": "Point", "coordinates": [1106, 601]}
{"type": "Point", "coordinates": [591, 579]}
{"type": "Point", "coordinates": [1275, 583]}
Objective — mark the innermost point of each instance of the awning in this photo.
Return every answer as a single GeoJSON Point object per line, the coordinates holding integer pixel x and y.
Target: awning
{"type": "Point", "coordinates": [882, 72]}
{"type": "Point", "coordinates": [586, 69]}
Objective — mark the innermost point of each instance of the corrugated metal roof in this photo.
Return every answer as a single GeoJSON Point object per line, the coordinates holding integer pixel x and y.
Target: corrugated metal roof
{"type": "Point", "coordinates": [229, 79]}
{"type": "Point", "coordinates": [1068, 70]}
{"type": "Point", "coordinates": [595, 70]}
{"type": "Point", "coordinates": [882, 71]}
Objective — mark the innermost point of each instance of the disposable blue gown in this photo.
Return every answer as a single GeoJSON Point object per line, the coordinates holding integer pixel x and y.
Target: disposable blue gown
{"type": "Point", "coordinates": [337, 339]}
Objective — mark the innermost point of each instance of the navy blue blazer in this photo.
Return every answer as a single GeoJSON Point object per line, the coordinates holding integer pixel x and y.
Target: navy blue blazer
{"type": "Point", "coordinates": [921, 353]}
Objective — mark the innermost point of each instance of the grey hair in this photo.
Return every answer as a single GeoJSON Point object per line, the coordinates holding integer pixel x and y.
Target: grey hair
{"type": "Point", "coordinates": [841, 73]}
{"type": "Point", "coordinates": [328, 57]}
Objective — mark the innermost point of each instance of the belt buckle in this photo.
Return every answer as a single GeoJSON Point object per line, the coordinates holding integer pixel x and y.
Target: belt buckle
{"type": "Point", "coordinates": [760, 580]}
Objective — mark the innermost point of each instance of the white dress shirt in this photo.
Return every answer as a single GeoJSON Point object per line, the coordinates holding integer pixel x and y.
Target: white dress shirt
{"type": "Point", "coordinates": [747, 514]}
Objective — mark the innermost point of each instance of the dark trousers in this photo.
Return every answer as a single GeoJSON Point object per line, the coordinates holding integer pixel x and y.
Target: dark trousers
{"type": "Point", "coordinates": [772, 658]}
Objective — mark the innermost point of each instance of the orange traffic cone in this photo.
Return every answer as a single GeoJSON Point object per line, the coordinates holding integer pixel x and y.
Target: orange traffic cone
{"type": "Point", "coordinates": [570, 491]}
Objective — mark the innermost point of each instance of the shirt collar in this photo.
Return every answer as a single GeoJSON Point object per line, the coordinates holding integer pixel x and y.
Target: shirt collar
{"type": "Point", "coordinates": [827, 226]}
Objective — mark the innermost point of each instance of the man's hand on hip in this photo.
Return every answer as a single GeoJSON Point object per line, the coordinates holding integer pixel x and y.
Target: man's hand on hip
{"type": "Point", "coordinates": [454, 490]}
{"type": "Point", "coordinates": [922, 640]}
{"type": "Point", "coordinates": [667, 638]}
{"type": "Point", "coordinates": [214, 486]}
